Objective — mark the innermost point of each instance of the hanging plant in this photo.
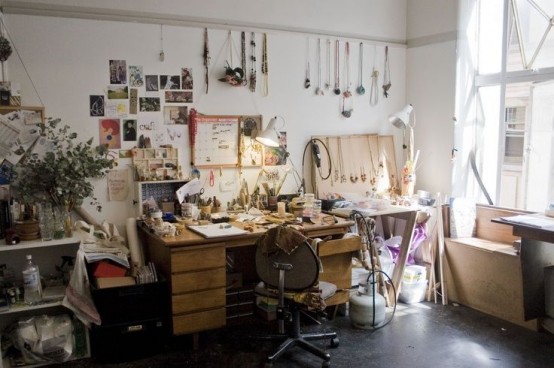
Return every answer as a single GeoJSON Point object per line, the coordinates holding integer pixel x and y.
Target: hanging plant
{"type": "Point", "coordinates": [234, 77]}
{"type": "Point", "coordinates": [5, 48]}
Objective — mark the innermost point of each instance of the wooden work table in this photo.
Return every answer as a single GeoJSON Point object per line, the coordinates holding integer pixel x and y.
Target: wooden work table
{"type": "Point", "coordinates": [198, 269]}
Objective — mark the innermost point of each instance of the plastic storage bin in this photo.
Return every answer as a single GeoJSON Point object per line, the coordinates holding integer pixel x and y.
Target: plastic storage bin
{"type": "Point", "coordinates": [413, 292]}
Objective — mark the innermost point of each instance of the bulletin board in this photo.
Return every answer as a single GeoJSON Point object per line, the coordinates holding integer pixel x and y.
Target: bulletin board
{"type": "Point", "coordinates": [362, 164]}
{"type": "Point", "coordinates": [217, 141]}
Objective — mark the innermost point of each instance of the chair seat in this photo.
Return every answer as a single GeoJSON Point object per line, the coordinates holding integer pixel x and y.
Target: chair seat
{"type": "Point", "coordinates": [327, 290]}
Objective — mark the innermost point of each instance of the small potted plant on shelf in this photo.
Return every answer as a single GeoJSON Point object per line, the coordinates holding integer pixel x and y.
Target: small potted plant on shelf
{"type": "Point", "coordinates": [58, 169]}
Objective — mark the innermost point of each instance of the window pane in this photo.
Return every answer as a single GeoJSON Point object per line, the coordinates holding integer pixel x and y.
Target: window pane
{"type": "Point", "coordinates": [490, 36]}
{"type": "Point", "coordinates": [531, 39]}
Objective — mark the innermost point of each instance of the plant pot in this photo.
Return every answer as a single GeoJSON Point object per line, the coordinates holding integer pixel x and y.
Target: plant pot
{"type": "Point", "coordinates": [28, 229]}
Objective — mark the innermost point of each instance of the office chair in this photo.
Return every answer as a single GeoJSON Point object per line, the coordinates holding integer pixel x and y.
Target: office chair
{"type": "Point", "coordinates": [287, 264]}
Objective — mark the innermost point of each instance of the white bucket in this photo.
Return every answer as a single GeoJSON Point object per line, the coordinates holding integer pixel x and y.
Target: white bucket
{"type": "Point", "coordinates": [414, 274]}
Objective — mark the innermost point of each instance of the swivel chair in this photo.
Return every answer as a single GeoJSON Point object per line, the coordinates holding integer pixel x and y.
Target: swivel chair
{"type": "Point", "coordinates": [290, 272]}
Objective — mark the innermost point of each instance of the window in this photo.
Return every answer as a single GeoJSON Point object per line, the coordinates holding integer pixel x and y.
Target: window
{"type": "Point", "coordinates": [513, 118]}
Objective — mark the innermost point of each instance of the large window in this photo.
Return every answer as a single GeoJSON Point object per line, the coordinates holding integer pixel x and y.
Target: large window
{"type": "Point", "coordinates": [514, 101]}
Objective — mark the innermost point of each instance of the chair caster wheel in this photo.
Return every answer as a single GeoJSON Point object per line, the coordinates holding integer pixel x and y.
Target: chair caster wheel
{"type": "Point", "coordinates": [335, 342]}
{"type": "Point", "coordinates": [326, 365]}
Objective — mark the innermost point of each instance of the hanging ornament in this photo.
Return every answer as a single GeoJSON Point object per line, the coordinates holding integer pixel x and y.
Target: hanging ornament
{"type": "Point", "coordinates": [233, 76]}
{"type": "Point", "coordinates": [5, 48]}
{"type": "Point", "coordinates": [319, 90]}
{"type": "Point", "coordinates": [361, 89]}
{"type": "Point", "coordinates": [337, 70]}
{"type": "Point", "coordinates": [307, 83]}
{"type": "Point", "coordinates": [386, 77]}
{"type": "Point", "coordinates": [252, 85]}
{"type": "Point", "coordinates": [265, 67]}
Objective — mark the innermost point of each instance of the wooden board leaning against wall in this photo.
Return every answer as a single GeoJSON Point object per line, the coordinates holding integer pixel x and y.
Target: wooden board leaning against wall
{"type": "Point", "coordinates": [361, 165]}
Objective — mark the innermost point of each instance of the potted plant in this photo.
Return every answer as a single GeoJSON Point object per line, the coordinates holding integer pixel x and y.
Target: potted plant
{"type": "Point", "coordinates": [58, 169]}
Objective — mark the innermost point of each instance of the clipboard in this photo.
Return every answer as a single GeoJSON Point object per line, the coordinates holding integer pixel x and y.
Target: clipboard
{"type": "Point", "coordinates": [220, 230]}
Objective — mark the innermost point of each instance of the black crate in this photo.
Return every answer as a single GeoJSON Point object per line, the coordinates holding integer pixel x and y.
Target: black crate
{"type": "Point", "coordinates": [132, 303]}
{"type": "Point", "coordinates": [128, 341]}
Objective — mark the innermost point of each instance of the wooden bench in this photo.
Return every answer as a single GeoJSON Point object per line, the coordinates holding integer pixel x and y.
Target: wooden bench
{"type": "Point", "coordinates": [483, 272]}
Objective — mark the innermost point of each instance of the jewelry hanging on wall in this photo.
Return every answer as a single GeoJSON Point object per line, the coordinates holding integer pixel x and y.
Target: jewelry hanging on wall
{"type": "Point", "coordinates": [337, 70]}
{"type": "Point", "coordinates": [347, 101]}
{"type": "Point", "coordinates": [332, 163]}
{"type": "Point", "coordinates": [252, 85]}
{"type": "Point", "coordinates": [374, 169]}
{"type": "Point", "coordinates": [363, 175]}
{"type": "Point", "coordinates": [374, 92]}
{"type": "Point", "coordinates": [386, 74]}
{"type": "Point", "coordinates": [243, 53]}
{"type": "Point", "coordinates": [206, 59]}
{"type": "Point", "coordinates": [328, 81]}
{"type": "Point", "coordinates": [319, 90]}
{"type": "Point", "coordinates": [307, 83]}
{"type": "Point", "coordinates": [361, 89]}
{"type": "Point", "coordinates": [265, 67]}
{"type": "Point", "coordinates": [341, 162]}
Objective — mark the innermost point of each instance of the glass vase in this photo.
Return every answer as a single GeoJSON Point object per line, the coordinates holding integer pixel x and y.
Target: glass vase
{"type": "Point", "coordinates": [68, 223]}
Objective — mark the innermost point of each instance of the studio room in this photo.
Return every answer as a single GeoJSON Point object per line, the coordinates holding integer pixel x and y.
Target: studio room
{"type": "Point", "coordinates": [276, 184]}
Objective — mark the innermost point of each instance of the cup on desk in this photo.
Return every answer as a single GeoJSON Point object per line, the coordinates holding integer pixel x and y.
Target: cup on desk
{"type": "Point", "coordinates": [281, 209]}
{"type": "Point", "coordinates": [186, 209]}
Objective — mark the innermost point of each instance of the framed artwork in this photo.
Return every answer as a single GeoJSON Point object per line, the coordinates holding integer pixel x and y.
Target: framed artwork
{"type": "Point", "coordinates": [251, 151]}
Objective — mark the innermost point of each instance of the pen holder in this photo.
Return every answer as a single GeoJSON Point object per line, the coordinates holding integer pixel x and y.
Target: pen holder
{"type": "Point", "coordinates": [207, 210]}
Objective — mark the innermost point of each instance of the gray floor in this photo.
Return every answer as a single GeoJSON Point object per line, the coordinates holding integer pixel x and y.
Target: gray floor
{"type": "Point", "coordinates": [419, 335]}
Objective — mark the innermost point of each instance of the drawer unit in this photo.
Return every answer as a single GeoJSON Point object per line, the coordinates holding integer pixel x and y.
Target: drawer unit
{"type": "Point", "coordinates": [198, 259]}
{"type": "Point", "coordinates": [196, 322]}
{"type": "Point", "coordinates": [200, 280]}
{"type": "Point", "coordinates": [190, 302]}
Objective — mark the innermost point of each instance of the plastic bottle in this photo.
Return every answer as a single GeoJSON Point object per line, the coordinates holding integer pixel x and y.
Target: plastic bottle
{"type": "Point", "coordinates": [31, 282]}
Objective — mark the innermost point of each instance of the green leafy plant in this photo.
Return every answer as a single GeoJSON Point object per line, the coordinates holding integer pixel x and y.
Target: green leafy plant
{"type": "Point", "coordinates": [62, 174]}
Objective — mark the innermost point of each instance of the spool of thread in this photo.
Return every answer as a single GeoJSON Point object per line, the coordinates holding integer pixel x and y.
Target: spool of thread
{"type": "Point", "coordinates": [281, 209]}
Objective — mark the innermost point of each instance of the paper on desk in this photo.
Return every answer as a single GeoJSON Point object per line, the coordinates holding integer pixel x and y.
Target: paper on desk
{"type": "Point", "coordinates": [190, 188]}
{"type": "Point", "coordinates": [531, 220]}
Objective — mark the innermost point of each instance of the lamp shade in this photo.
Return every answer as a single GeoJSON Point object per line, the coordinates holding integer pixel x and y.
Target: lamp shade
{"type": "Point", "coordinates": [269, 137]}
{"type": "Point", "coordinates": [401, 119]}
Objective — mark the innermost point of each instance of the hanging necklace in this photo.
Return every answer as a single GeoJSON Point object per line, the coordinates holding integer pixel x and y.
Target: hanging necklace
{"type": "Point", "coordinates": [328, 81]}
{"type": "Point", "coordinates": [341, 163]}
{"type": "Point", "coordinates": [374, 93]}
{"type": "Point", "coordinates": [386, 74]}
{"type": "Point", "coordinates": [252, 85]}
{"type": "Point", "coordinates": [307, 83]}
{"type": "Point", "coordinates": [333, 164]}
{"type": "Point", "coordinates": [347, 101]}
{"type": "Point", "coordinates": [318, 90]}
{"type": "Point", "coordinates": [206, 59]}
{"type": "Point", "coordinates": [265, 67]}
{"type": "Point", "coordinates": [337, 70]}
{"type": "Point", "coordinates": [361, 89]}
{"type": "Point", "coordinates": [363, 176]}
{"type": "Point", "coordinates": [243, 53]}
{"type": "Point", "coordinates": [375, 170]}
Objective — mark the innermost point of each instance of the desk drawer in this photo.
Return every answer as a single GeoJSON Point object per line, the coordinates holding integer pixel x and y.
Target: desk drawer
{"type": "Point", "coordinates": [337, 246]}
{"type": "Point", "coordinates": [201, 321]}
{"type": "Point", "coordinates": [200, 280]}
{"type": "Point", "coordinates": [198, 259]}
{"type": "Point", "coordinates": [185, 303]}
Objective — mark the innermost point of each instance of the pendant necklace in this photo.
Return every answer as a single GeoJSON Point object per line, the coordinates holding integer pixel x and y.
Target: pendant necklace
{"type": "Point", "coordinates": [361, 89]}
{"type": "Point", "coordinates": [347, 102]}
{"type": "Point", "coordinates": [307, 83]}
{"type": "Point", "coordinates": [252, 85]}
{"type": "Point", "coordinates": [319, 90]}
{"type": "Point", "coordinates": [243, 53]}
{"type": "Point", "coordinates": [374, 93]}
{"type": "Point", "coordinates": [375, 171]}
{"type": "Point", "coordinates": [363, 176]}
{"type": "Point", "coordinates": [337, 70]}
{"type": "Point", "coordinates": [328, 81]}
{"type": "Point", "coordinates": [265, 67]}
{"type": "Point", "coordinates": [341, 163]}
{"type": "Point", "coordinates": [332, 161]}
{"type": "Point", "coordinates": [386, 74]}
{"type": "Point", "coordinates": [206, 58]}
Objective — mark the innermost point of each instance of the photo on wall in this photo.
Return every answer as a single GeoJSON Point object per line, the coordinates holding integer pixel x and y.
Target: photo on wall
{"type": "Point", "coordinates": [110, 133]}
{"type": "Point", "coordinates": [175, 115]}
{"type": "Point", "coordinates": [118, 72]}
{"type": "Point", "coordinates": [151, 83]}
{"type": "Point", "coordinates": [136, 78]}
{"type": "Point", "coordinates": [149, 103]}
{"type": "Point", "coordinates": [186, 78]}
{"type": "Point", "coordinates": [116, 92]}
{"type": "Point", "coordinates": [170, 82]}
{"type": "Point", "coordinates": [96, 105]}
{"type": "Point", "coordinates": [129, 130]}
{"type": "Point", "coordinates": [178, 96]}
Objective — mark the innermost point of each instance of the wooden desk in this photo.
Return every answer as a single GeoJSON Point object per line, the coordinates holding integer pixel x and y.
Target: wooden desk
{"type": "Point", "coordinates": [537, 252]}
{"type": "Point", "coordinates": [409, 215]}
{"type": "Point", "coordinates": [196, 268]}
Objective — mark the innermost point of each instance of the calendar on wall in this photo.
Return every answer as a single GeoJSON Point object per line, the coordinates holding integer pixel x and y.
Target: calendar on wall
{"type": "Point", "coordinates": [217, 141]}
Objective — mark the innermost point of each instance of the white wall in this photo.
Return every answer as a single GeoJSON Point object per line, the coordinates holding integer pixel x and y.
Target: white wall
{"type": "Point", "coordinates": [67, 60]}
{"type": "Point", "coordinates": [431, 80]}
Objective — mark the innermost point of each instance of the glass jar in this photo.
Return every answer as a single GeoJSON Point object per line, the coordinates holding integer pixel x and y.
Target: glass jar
{"type": "Point", "coordinates": [308, 207]}
{"type": "Point", "coordinates": [317, 208]}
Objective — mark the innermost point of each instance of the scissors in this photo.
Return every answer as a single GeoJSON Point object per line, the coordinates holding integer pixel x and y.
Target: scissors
{"type": "Point", "coordinates": [198, 195]}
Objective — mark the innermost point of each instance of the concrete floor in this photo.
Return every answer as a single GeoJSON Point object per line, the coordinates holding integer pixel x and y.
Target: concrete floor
{"type": "Point", "coordinates": [419, 335]}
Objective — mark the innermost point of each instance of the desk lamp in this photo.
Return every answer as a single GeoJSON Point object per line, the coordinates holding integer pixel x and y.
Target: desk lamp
{"type": "Point", "coordinates": [270, 137]}
{"type": "Point", "coordinates": [401, 120]}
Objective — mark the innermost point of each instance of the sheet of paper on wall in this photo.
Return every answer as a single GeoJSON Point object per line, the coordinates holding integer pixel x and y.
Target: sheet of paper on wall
{"type": "Point", "coordinates": [190, 188]}
{"type": "Point", "coordinates": [118, 185]}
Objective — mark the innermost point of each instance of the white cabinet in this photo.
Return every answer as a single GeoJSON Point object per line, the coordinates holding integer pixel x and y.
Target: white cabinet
{"type": "Point", "coordinates": [46, 254]}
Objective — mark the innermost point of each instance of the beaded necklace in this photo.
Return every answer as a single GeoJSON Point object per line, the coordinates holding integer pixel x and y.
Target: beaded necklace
{"type": "Point", "coordinates": [265, 67]}
{"type": "Point", "coordinates": [252, 85]}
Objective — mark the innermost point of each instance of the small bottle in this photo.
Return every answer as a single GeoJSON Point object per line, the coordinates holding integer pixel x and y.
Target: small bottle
{"type": "Point", "coordinates": [31, 282]}
{"type": "Point", "coordinates": [308, 208]}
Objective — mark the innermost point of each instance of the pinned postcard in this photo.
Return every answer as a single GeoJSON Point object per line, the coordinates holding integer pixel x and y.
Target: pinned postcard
{"type": "Point", "coordinates": [190, 188]}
